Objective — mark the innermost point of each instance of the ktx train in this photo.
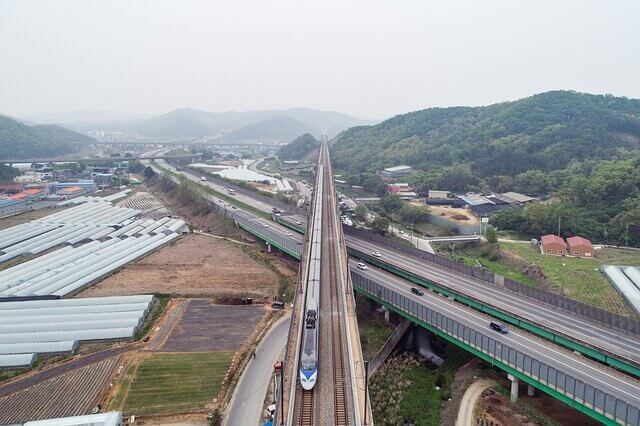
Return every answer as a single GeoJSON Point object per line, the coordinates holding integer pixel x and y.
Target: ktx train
{"type": "Point", "coordinates": [309, 354]}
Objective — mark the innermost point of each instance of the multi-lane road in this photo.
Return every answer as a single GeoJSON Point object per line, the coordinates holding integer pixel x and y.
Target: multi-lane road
{"type": "Point", "coordinates": [606, 379]}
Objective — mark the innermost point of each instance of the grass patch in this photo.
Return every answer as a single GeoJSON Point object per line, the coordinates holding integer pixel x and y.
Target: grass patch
{"type": "Point", "coordinates": [404, 390]}
{"type": "Point", "coordinates": [472, 255]}
{"type": "Point", "coordinates": [163, 301]}
{"type": "Point", "coordinates": [580, 279]}
{"type": "Point", "coordinates": [373, 335]}
{"type": "Point", "coordinates": [175, 383]}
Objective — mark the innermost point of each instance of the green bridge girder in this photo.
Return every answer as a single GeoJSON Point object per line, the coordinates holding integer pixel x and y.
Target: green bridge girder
{"type": "Point", "coordinates": [494, 362]}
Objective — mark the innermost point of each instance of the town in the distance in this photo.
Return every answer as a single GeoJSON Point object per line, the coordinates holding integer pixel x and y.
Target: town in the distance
{"type": "Point", "coordinates": [437, 265]}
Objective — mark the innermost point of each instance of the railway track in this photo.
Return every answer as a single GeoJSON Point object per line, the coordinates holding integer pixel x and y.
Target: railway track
{"type": "Point", "coordinates": [340, 401]}
{"type": "Point", "coordinates": [306, 406]}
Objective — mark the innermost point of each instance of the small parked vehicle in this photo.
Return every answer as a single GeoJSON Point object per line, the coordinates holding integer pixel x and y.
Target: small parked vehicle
{"type": "Point", "coordinates": [376, 254]}
{"type": "Point", "coordinates": [417, 291]}
{"type": "Point", "coordinates": [362, 265]}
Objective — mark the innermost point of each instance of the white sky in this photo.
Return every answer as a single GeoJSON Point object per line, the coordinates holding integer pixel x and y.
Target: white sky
{"type": "Point", "coordinates": [368, 58]}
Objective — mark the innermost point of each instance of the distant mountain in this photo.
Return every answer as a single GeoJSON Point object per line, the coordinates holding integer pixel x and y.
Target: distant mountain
{"type": "Point", "coordinates": [299, 148]}
{"type": "Point", "coordinates": [18, 140]}
{"type": "Point", "coordinates": [233, 125]}
{"type": "Point", "coordinates": [282, 128]}
{"type": "Point", "coordinates": [86, 119]}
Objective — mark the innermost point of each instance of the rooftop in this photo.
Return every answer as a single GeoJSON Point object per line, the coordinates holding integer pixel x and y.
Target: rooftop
{"type": "Point", "coordinates": [397, 168]}
{"type": "Point", "coordinates": [578, 241]}
{"type": "Point", "coordinates": [516, 197]}
{"type": "Point", "coordinates": [552, 238]}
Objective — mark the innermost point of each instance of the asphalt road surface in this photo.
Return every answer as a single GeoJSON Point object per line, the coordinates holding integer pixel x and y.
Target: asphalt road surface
{"type": "Point", "coordinates": [245, 408]}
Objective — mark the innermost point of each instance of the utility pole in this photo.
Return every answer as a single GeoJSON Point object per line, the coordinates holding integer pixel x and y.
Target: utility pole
{"type": "Point", "coordinates": [626, 236]}
{"type": "Point", "coordinates": [559, 221]}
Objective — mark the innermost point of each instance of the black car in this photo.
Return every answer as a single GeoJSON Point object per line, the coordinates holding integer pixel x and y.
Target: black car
{"type": "Point", "coordinates": [499, 327]}
{"type": "Point", "coordinates": [417, 291]}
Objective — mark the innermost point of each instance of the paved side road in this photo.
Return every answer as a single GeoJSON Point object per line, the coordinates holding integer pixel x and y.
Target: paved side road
{"type": "Point", "coordinates": [245, 407]}
{"type": "Point", "coordinates": [469, 400]}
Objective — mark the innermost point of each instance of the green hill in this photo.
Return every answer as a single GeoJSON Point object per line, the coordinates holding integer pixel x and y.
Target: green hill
{"type": "Point", "coordinates": [18, 140]}
{"type": "Point", "coordinates": [544, 132]}
{"type": "Point", "coordinates": [298, 148]}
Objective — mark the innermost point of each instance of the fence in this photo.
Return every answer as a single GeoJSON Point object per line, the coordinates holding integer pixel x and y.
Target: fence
{"type": "Point", "coordinates": [589, 312]}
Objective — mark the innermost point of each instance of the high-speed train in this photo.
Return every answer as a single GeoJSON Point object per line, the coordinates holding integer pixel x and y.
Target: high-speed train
{"type": "Point", "coordinates": [309, 353]}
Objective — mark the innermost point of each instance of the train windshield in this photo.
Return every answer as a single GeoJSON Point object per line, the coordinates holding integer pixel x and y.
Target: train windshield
{"type": "Point", "coordinates": [308, 364]}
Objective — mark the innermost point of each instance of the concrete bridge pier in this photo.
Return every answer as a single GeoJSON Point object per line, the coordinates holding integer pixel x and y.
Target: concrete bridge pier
{"type": "Point", "coordinates": [531, 391]}
{"type": "Point", "coordinates": [515, 387]}
{"type": "Point", "coordinates": [268, 248]}
{"type": "Point", "coordinates": [386, 314]}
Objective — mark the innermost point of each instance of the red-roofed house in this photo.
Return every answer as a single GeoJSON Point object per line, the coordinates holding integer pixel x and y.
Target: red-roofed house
{"type": "Point", "coordinates": [552, 244]}
{"type": "Point", "coordinates": [580, 247]}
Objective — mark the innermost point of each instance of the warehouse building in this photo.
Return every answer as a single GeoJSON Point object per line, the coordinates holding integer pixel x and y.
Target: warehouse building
{"type": "Point", "coordinates": [396, 172]}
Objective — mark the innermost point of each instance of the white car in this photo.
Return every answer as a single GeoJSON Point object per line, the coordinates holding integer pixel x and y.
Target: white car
{"type": "Point", "coordinates": [264, 225]}
{"type": "Point", "coordinates": [376, 254]}
{"type": "Point", "coordinates": [362, 266]}
{"type": "Point", "coordinates": [288, 234]}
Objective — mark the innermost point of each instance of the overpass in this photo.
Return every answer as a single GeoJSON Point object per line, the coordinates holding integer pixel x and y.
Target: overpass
{"type": "Point", "coordinates": [544, 326]}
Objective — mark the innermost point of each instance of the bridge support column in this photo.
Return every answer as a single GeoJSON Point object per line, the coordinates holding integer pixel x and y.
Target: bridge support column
{"type": "Point", "coordinates": [531, 391]}
{"type": "Point", "coordinates": [514, 387]}
{"type": "Point", "coordinates": [268, 248]}
{"type": "Point", "coordinates": [386, 314]}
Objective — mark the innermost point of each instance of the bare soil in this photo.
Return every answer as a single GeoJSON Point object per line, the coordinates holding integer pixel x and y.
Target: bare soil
{"type": "Point", "coordinates": [207, 327]}
{"type": "Point", "coordinates": [195, 265]}
{"type": "Point", "coordinates": [462, 216]}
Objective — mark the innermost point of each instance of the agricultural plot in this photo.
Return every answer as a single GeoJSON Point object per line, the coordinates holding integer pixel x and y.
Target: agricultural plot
{"type": "Point", "coordinates": [175, 383]}
{"type": "Point", "coordinates": [207, 327]}
{"type": "Point", "coordinates": [149, 205]}
{"type": "Point", "coordinates": [70, 394]}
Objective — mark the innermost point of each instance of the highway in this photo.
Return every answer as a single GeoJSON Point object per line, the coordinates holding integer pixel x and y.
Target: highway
{"type": "Point", "coordinates": [554, 319]}
{"type": "Point", "coordinates": [565, 323]}
{"type": "Point", "coordinates": [606, 379]}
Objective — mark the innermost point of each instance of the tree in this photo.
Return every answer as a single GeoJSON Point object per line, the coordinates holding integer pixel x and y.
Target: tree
{"type": "Point", "coordinates": [413, 214]}
{"type": "Point", "coordinates": [390, 203]}
{"type": "Point", "coordinates": [361, 212]}
{"type": "Point", "coordinates": [381, 225]}
{"type": "Point", "coordinates": [491, 235]}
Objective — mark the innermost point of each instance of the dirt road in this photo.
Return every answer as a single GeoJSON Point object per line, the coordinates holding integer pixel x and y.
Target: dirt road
{"type": "Point", "coordinates": [469, 400]}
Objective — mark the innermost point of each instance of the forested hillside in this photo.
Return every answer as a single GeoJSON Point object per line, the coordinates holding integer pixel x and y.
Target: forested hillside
{"type": "Point", "coordinates": [298, 148]}
{"type": "Point", "coordinates": [581, 150]}
{"type": "Point", "coordinates": [543, 132]}
{"type": "Point", "coordinates": [21, 141]}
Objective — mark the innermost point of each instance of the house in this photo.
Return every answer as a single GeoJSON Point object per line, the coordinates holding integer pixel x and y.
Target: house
{"type": "Point", "coordinates": [580, 247]}
{"type": "Point", "coordinates": [399, 187]}
{"type": "Point", "coordinates": [438, 194]}
{"type": "Point", "coordinates": [396, 172]}
{"type": "Point", "coordinates": [71, 191]}
{"type": "Point", "coordinates": [515, 198]}
{"type": "Point", "coordinates": [553, 245]}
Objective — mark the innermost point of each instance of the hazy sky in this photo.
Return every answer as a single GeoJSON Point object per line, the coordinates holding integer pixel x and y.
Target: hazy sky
{"type": "Point", "coordinates": [368, 58]}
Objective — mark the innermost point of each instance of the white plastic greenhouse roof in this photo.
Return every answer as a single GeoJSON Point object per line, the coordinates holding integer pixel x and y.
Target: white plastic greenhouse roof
{"type": "Point", "coordinates": [113, 418]}
{"type": "Point", "coordinates": [56, 326]}
{"type": "Point", "coordinates": [17, 360]}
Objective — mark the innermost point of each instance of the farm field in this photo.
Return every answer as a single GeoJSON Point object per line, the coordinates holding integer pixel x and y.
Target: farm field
{"type": "Point", "coordinates": [581, 279]}
{"type": "Point", "coordinates": [207, 327]}
{"type": "Point", "coordinates": [174, 383]}
{"type": "Point", "coordinates": [73, 393]}
{"type": "Point", "coordinates": [195, 265]}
